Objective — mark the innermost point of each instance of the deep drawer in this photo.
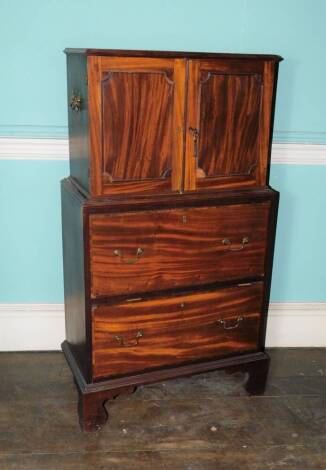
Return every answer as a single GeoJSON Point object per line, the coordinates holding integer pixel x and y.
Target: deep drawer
{"type": "Point", "coordinates": [138, 336]}
{"type": "Point", "coordinates": [155, 250]}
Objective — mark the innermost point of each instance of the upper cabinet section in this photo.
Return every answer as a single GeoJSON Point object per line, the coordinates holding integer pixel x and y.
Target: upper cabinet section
{"type": "Point", "coordinates": [170, 123]}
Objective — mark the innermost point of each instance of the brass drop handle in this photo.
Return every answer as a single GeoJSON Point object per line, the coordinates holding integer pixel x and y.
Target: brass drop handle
{"type": "Point", "coordinates": [76, 102]}
{"type": "Point", "coordinates": [224, 323]}
{"type": "Point", "coordinates": [129, 344]}
{"type": "Point", "coordinates": [134, 260]}
{"type": "Point", "coordinates": [195, 136]}
{"type": "Point", "coordinates": [228, 243]}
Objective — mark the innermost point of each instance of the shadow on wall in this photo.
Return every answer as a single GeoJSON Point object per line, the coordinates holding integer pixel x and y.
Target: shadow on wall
{"type": "Point", "coordinates": [285, 232]}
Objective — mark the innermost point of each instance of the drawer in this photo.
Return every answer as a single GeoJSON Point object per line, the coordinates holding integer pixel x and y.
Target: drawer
{"type": "Point", "coordinates": [143, 251]}
{"type": "Point", "coordinates": [137, 336]}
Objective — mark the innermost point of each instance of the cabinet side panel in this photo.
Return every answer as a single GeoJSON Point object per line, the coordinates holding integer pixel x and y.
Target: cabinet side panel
{"type": "Point", "coordinates": [78, 119]}
{"type": "Point", "coordinates": [74, 278]}
{"type": "Point", "coordinates": [271, 72]}
{"type": "Point", "coordinates": [267, 121]}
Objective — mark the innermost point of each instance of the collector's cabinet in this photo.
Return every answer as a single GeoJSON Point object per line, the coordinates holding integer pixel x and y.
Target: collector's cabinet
{"type": "Point", "coordinates": [168, 219]}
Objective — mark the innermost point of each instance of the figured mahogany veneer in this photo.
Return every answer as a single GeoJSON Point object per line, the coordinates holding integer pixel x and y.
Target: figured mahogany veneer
{"type": "Point", "coordinates": [168, 219]}
{"type": "Point", "coordinates": [135, 108]}
{"type": "Point", "coordinates": [175, 330]}
{"type": "Point", "coordinates": [171, 123]}
{"type": "Point", "coordinates": [140, 116]}
{"type": "Point", "coordinates": [179, 247]}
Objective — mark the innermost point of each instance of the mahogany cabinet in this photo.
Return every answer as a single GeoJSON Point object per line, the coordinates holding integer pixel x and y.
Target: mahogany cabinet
{"type": "Point", "coordinates": [168, 218]}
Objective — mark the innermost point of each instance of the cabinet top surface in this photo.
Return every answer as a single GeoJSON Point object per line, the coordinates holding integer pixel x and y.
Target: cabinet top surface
{"type": "Point", "coordinates": [170, 54]}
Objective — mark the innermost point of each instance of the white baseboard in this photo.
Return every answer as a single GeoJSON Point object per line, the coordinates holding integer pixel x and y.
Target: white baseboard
{"type": "Point", "coordinates": [37, 327]}
{"type": "Point", "coordinates": [296, 325]}
{"type": "Point", "coordinates": [12, 148]}
{"type": "Point", "coordinates": [31, 327]}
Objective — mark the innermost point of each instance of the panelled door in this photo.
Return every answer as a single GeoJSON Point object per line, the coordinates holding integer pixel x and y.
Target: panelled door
{"type": "Point", "coordinates": [227, 129]}
{"type": "Point", "coordinates": [159, 125]}
{"type": "Point", "coordinates": [136, 108]}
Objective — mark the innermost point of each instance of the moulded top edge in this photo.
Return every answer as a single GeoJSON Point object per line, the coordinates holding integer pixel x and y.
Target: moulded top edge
{"type": "Point", "coordinates": [170, 54]}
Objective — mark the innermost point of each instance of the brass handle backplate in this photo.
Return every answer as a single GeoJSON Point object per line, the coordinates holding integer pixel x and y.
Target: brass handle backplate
{"type": "Point", "coordinates": [224, 323]}
{"type": "Point", "coordinates": [129, 344]}
{"type": "Point", "coordinates": [228, 243]}
{"type": "Point", "coordinates": [76, 102]}
{"type": "Point", "coordinates": [134, 260]}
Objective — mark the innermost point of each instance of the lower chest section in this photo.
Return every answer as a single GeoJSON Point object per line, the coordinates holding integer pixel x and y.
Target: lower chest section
{"type": "Point", "coordinates": [176, 286]}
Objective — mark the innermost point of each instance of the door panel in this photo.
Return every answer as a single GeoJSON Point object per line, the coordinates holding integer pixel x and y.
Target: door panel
{"type": "Point", "coordinates": [137, 125]}
{"type": "Point", "coordinates": [138, 104]}
{"type": "Point", "coordinates": [228, 123]}
{"type": "Point", "coordinates": [224, 123]}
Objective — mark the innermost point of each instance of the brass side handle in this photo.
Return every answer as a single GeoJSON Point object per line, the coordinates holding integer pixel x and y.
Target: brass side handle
{"type": "Point", "coordinates": [228, 243]}
{"type": "Point", "coordinates": [195, 136]}
{"type": "Point", "coordinates": [119, 253]}
{"type": "Point", "coordinates": [129, 344]}
{"type": "Point", "coordinates": [226, 326]}
{"type": "Point", "coordinates": [76, 102]}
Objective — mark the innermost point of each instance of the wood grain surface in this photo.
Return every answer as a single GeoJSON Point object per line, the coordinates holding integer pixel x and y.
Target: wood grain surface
{"type": "Point", "coordinates": [142, 111]}
{"type": "Point", "coordinates": [267, 114]}
{"type": "Point", "coordinates": [75, 290]}
{"type": "Point", "coordinates": [229, 123]}
{"type": "Point", "coordinates": [137, 133]}
{"type": "Point", "coordinates": [203, 422]}
{"type": "Point", "coordinates": [230, 105]}
{"type": "Point", "coordinates": [175, 330]}
{"type": "Point", "coordinates": [138, 107]}
{"type": "Point", "coordinates": [78, 122]}
{"type": "Point", "coordinates": [178, 247]}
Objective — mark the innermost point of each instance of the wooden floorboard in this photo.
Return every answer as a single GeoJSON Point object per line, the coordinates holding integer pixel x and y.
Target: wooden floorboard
{"type": "Point", "coordinates": [202, 422]}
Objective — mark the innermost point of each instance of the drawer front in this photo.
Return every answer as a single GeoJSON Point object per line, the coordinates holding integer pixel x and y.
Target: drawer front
{"type": "Point", "coordinates": [132, 337]}
{"type": "Point", "coordinates": [156, 250]}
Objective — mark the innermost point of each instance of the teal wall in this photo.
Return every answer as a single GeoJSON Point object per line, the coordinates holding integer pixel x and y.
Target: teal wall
{"type": "Point", "coordinates": [300, 255]}
{"type": "Point", "coordinates": [30, 235]}
{"type": "Point", "coordinates": [33, 34]}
